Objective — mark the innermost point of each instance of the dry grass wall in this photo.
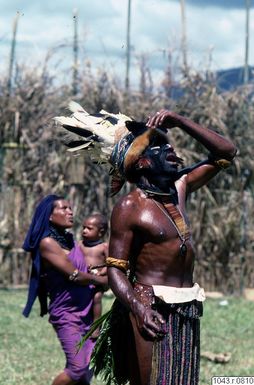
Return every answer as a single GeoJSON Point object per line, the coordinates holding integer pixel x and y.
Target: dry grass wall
{"type": "Point", "coordinates": [34, 162]}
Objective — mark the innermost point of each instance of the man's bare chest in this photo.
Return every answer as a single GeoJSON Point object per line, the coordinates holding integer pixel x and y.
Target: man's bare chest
{"type": "Point", "coordinates": [157, 225]}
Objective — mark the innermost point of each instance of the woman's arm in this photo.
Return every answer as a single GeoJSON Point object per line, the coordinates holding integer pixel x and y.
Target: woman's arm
{"type": "Point", "coordinates": [56, 257]}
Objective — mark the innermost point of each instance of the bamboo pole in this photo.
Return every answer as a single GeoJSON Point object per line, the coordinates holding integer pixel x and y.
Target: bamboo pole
{"type": "Point", "coordinates": [247, 27]}
{"type": "Point", "coordinates": [127, 76]}
{"type": "Point", "coordinates": [184, 36]}
{"type": "Point", "coordinates": [75, 54]}
{"type": "Point", "coordinates": [12, 53]}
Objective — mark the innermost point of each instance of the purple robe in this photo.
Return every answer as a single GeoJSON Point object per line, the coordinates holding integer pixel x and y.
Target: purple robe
{"type": "Point", "coordinates": [70, 313]}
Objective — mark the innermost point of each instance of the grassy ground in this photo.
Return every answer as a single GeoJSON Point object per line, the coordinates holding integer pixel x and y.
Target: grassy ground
{"type": "Point", "coordinates": [30, 353]}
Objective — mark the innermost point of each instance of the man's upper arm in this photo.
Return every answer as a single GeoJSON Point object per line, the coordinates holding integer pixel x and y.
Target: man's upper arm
{"type": "Point", "coordinates": [121, 237]}
{"type": "Point", "coordinates": [201, 175]}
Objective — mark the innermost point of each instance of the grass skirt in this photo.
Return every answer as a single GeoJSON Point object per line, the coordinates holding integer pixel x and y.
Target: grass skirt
{"type": "Point", "coordinates": [176, 357]}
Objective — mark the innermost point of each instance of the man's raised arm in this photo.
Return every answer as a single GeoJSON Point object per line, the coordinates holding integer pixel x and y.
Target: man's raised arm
{"type": "Point", "coordinates": [216, 144]}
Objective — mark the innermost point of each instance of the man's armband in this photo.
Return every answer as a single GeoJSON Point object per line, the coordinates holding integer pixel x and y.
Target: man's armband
{"type": "Point", "coordinates": [118, 263]}
{"type": "Point", "coordinates": [221, 163]}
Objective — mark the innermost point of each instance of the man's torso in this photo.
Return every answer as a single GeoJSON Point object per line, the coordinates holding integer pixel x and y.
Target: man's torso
{"type": "Point", "coordinates": [156, 256]}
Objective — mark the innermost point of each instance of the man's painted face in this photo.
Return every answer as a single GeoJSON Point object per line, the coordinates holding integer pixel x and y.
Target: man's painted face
{"type": "Point", "coordinates": [163, 159]}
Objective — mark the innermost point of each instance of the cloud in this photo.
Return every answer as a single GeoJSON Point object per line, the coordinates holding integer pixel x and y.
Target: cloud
{"type": "Point", "coordinates": [224, 38]}
{"type": "Point", "coordinates": [214, 27]}
{"type": "Point", "coordinates": [240, 4]}
{"type": "Point", "coordinates": [56, 8]}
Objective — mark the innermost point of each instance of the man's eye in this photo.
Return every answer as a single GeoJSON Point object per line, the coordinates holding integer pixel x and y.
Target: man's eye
{"type": "Point", "coordinates": [155, 150]}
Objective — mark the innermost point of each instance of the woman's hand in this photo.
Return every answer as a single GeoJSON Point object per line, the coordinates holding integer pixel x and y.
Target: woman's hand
{"type": "Point", "coordinates": [92, 279]}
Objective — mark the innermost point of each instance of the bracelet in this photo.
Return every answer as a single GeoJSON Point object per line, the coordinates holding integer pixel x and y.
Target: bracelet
{"type": "Point", "coordinates": [118, 263]}
{"type": "Point", "coordinates": [221, 163]}
{"type": "Point", "coordinates": [73, 276]}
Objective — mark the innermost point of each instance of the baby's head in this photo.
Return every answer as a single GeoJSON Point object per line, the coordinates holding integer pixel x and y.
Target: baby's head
{"type": "Point", "coordinates": [94, 227]}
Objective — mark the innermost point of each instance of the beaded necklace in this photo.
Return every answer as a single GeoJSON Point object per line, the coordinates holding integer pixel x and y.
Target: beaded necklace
{"type": "Point", "coordinates": [92, 243]}
{"type": "Point", "coordinates": [64, 238]}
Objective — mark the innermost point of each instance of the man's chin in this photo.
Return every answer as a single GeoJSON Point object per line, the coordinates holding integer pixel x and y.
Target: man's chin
{"type": "Point", "coordinates": [172, 170]}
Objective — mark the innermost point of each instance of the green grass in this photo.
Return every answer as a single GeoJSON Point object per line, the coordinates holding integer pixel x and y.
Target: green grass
{"type": "Point", "coordinates": [228, 329]}
{"type": "Point", "coordinates": [31, 355]}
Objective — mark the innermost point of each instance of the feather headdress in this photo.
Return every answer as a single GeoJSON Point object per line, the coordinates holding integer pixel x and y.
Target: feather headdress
{"type": "Point", "coordinates": [112, 138]}
{"type": "Point", "coordinates": [96, 133]}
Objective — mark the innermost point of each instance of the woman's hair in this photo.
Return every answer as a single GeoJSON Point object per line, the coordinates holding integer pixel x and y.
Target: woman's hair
{"type": "Point", "coordinates": [59, 198]}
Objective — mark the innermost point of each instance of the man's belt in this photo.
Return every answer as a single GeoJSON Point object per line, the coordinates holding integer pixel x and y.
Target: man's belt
{"type": "Point", "coordinates": [146, 293]}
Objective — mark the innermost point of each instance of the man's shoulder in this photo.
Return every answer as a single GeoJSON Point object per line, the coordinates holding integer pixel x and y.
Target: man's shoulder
{"type": "Point", "coordinates": [126, 211]}
{"type": "Point", "coordinates": [181, 181]}
{"type": "Point", "coordinates": [129, 201]}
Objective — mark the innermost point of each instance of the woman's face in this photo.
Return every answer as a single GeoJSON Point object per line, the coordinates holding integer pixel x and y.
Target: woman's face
{"type": "Point", "coordinates": [62, 215]}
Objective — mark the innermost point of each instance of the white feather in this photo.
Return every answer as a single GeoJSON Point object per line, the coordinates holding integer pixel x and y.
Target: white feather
{"type": "Point", "coordinates": [81, 147]}
{"type": "Point", "coordinates": [63, 120]}
{"type": "Point", "coordinates": [75, 107]}
{"type": "Point", "coordinates": [107, 132]}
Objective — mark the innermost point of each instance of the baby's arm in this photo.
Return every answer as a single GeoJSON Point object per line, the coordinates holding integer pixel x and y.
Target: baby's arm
{"type": "Point", "coordinates": [103, 270]}
{"type": "Point", "coordinates": [100, 267]}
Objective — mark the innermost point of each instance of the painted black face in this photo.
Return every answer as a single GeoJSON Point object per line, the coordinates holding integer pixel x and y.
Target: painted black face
{"type": "Point", "coordinates": [163, 160]}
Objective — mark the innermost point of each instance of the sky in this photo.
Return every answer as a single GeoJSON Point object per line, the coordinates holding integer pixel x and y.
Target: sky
{"type": "Point", "coordinates": [215, 34]}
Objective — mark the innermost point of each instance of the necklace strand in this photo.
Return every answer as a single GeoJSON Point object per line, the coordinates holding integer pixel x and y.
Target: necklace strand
{"type": "Point", "coordinates": [182, 235]}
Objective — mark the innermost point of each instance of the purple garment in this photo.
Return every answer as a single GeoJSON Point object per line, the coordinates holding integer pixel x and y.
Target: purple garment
{"type": "Point", "coordinates": [70, 313]}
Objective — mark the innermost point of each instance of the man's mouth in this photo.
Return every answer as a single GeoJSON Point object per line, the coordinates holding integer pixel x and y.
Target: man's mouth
{"type": "Point", "coordinates": [173, 158]}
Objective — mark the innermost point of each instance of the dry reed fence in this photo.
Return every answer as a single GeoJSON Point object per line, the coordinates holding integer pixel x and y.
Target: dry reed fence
{"type": "Point", "coordinates": [34, 162]}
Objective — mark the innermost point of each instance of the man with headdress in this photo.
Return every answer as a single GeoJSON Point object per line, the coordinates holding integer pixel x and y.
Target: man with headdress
{"type": "Point", "coordinates": [151, 256]}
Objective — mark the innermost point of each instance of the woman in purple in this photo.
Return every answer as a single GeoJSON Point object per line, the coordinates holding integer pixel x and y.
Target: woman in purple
{"type": "Point", "coordinates": [59, 272]}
